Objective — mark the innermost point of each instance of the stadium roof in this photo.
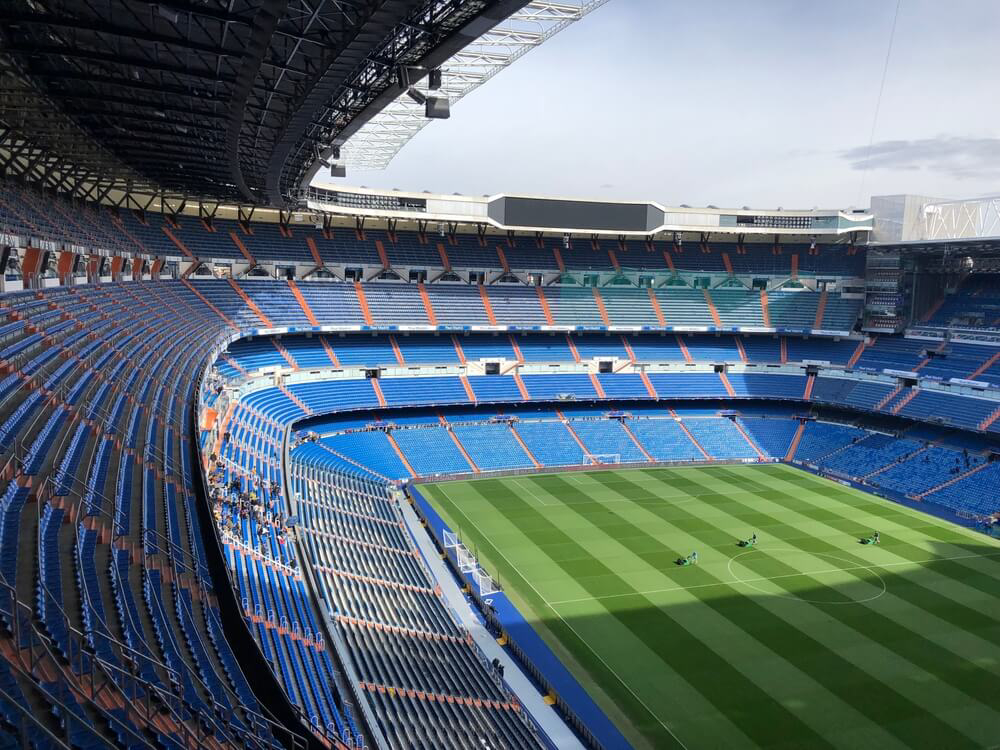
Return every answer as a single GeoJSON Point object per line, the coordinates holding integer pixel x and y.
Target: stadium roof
{"type": "Point", "coordinates": [380, 139]}
{"type": "Point", "coordinates": [221, 99]}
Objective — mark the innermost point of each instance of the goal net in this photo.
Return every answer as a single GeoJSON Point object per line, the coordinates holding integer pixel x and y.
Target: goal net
{"type": "Point", "coordinates": [486, 584]}
{"type": "Point", "coordinates": [595, 459]}
{"type": "Point", "coordinates": [467, 563]}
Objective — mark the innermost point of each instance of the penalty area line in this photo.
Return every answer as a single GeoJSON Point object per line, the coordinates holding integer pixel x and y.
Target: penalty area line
{"type": "Point", "coordinates": [526, 488]}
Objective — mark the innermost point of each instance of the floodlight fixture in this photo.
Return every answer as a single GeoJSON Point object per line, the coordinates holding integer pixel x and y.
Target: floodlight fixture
{"type": "Point", "coordinates": [435, 107]}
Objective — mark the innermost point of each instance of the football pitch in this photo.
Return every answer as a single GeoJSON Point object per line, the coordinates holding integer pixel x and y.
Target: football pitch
{"type": "Point", "coordinates": [807, 640]}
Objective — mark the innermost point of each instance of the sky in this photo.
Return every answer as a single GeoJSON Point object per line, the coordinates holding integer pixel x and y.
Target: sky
{"type": "Point", "coordinates": [759, 103]}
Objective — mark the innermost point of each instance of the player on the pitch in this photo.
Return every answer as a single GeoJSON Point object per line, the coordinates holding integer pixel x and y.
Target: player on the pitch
{"type": "Point", "coordinates": [691, 559]}
{"type": "Point", "coordinates": [748, 542]}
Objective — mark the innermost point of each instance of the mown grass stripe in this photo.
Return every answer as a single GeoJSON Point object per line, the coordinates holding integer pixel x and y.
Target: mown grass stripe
{"type": "Point", "coordinates": [954, 669]}
{"type": "Point", "coordinates": [867, 503]}
{"type": "Point", "coordinates": [878, 701]}
{"type": "Point", "coordinates": [934, 661]}
{"type": "Point", "coordinates": [812, 510]}
{"type": "Point", "coordinates": [941, 605]}
{"type": "Point", "coordinates": [764, 720]}
{"type": "Point", "coordinates": [979, 572]}
{"type": "Point", "coordinates": [722, 627]}
{"type": "Point", "coordinates": [641, 723]}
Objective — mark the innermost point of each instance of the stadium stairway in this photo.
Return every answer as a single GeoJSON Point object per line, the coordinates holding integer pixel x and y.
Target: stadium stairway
{"type": "Point", "coordinates": [313, 320]}
{"type": "Point", "coordinates": [794, 445]}
{"type": "Point", "coordinates": [691, 437]}
{"type": "Point", "coordinates": [955, 480]}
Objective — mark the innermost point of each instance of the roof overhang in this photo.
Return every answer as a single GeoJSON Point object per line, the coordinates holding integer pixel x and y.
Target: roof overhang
{"type": "Point", "coordinates": [227, 101]}
{"type": "Point", "coordinates": [373, 142]}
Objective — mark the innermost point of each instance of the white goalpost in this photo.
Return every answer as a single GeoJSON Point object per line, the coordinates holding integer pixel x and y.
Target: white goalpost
{"type": "Point", "coordinates": [487, 586]}
{"type": "Point", "coordinates": [598, 459]}
{"type": "Point", "coordinates": [467, 563]}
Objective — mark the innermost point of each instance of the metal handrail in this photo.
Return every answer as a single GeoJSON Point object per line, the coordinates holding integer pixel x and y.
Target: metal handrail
{"type": "Point", "coordinates": [199, 592]}
{"type": "Point", "coordinates": [117, 676]}
{"type": "Point", "coordinates": [176, 554]}
{"type": "Point", "coordinates": [29, 724]}
{"type": "Point", "coordinates": [39, 644]}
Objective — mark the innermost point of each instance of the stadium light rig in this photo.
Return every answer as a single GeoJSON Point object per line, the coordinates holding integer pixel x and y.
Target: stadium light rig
{"type": "Point", "coordinates": [435, 107]}
{"type": "Point", "coordinates": [336, 170]}
{"type": "Point", "coordinates": [381, 138]}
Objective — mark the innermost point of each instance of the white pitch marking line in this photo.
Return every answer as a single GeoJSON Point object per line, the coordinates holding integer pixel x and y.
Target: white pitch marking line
{"type": "Point", "coordinates": [671, 499]}
{"type": "Point", "coordinates": [640, 480]}
{"type": "Point", "coordinates": [531, 492]}
{"type": "Point", "coordinates": [773, 578]}
{"type": "Point", "coordinates": [567, 623]}
{"type": "Point", "coordinates": [618, 677]}
{"type": "Point", "coordinates": [785, 595]}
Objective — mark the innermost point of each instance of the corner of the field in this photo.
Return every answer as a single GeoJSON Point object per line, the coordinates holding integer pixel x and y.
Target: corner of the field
{"type": "Point", "coordinates": [524, 643]}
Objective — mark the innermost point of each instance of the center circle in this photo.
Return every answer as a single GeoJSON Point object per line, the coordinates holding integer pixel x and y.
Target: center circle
{"type": "Point", "coordinates": [859, 598]}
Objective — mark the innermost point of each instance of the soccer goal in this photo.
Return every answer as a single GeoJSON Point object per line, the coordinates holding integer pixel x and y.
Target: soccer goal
{"type": "Point", "coordinates": [468, 564]}
{"type": "Point", "coordinates": [597, 459]}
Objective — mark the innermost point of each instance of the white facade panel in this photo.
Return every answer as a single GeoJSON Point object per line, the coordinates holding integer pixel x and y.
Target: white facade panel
{"type": "Point", "coordinates": [457, 207]}
{"type": "Point", "coordinates": [685, 219]}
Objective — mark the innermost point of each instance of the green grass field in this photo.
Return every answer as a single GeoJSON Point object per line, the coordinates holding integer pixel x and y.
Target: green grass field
{"type": "Point", "coordinates": [811, 640]}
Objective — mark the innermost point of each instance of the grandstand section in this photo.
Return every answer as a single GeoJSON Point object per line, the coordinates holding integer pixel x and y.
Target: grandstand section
{"type": "Point", "coordinates": [286, 464]}
{"type": "Point", "coordinates": [398, 382]}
